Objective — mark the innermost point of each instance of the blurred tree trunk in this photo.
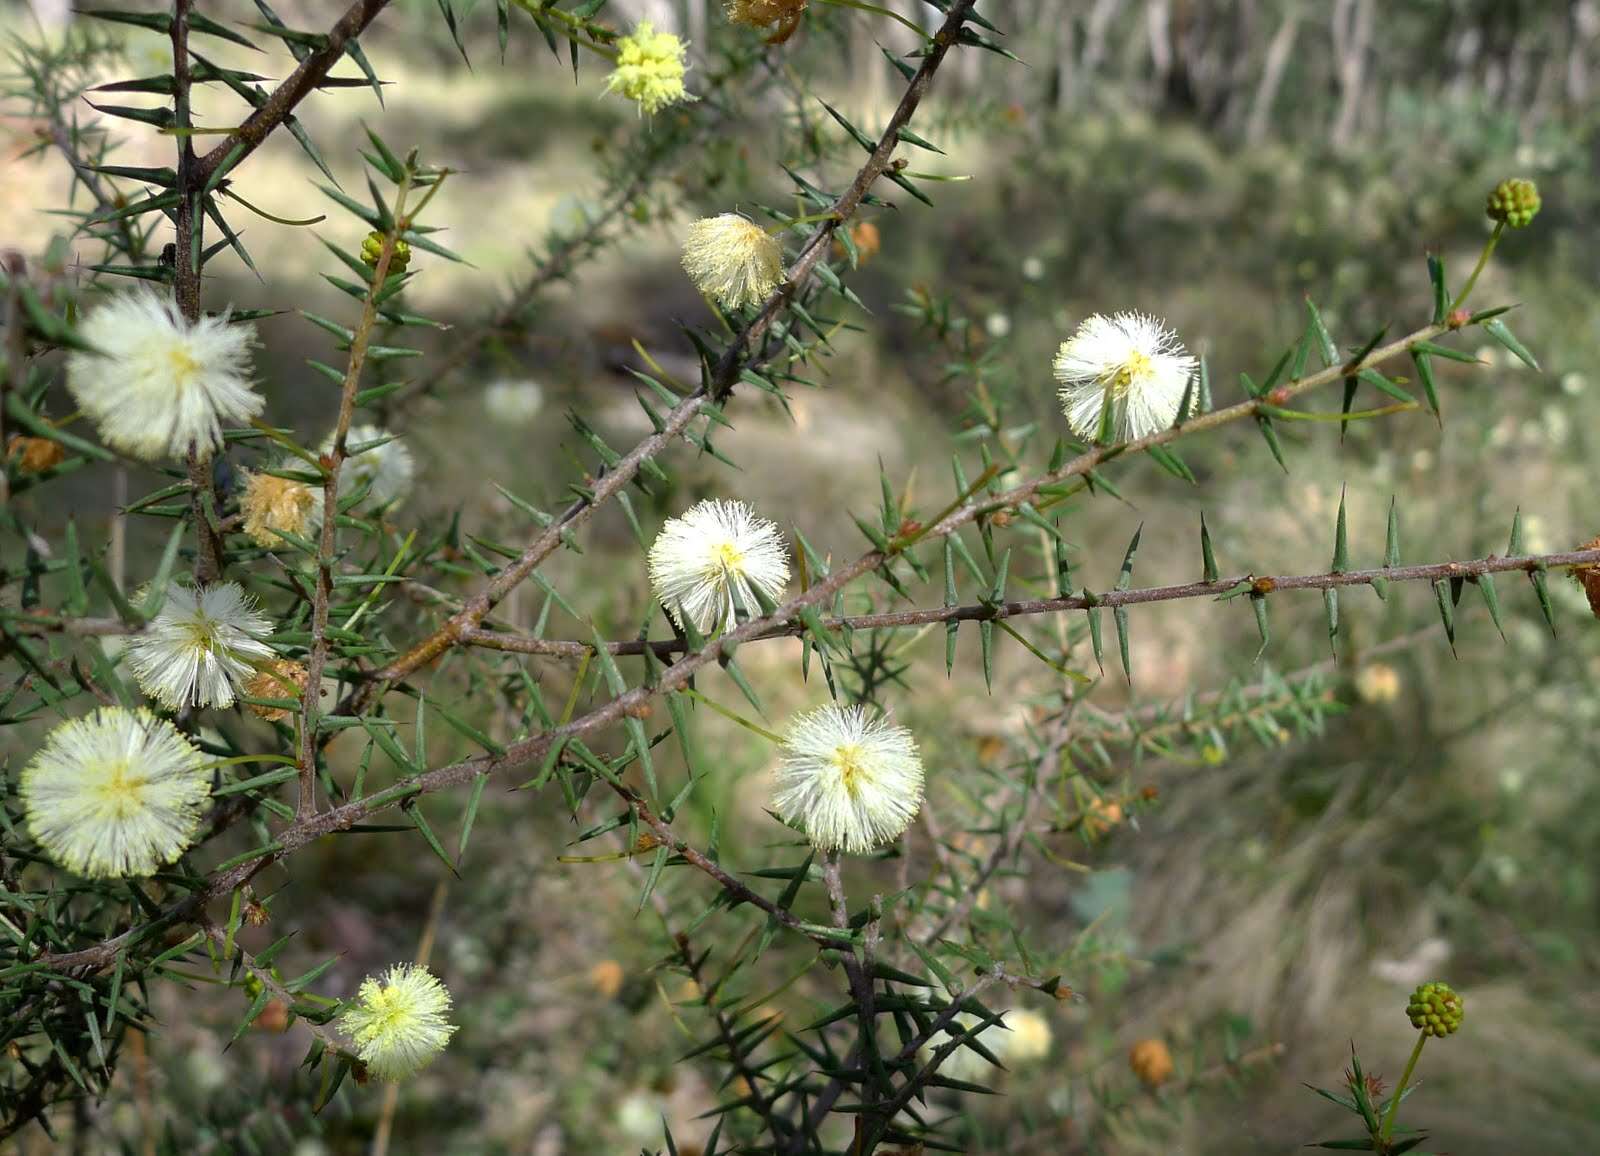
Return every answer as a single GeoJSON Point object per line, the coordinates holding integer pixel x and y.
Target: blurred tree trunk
{"type": "Point", "coordinates": [1583, 26]}
{"type": "Point", "coordinates": [1352, 38]}
{"type": "Point", "coordinates": [1279, 53]}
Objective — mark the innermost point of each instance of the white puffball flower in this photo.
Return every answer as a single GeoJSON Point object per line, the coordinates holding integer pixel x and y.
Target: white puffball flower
{"type": "Point", "coordinates": [200, 647]}
{"type": "Point", "coordinates": [732, 260]}
{"type": "Point", "coordinates": [397, 1021]}
{"type": "Point", "coordinates": [156, 385]}
{"type": "Point", "coordinates": [1129, 361]}
{"type": "Point", "coordinates": [513, 402]}
{"type": "Point", "coordinates": [115, 793]}
{"type": "Point", "coordinates": [1032, 269]}
{"type": "Point", "coordinates": [388, 469]}
{"type": "Point", "coordinates": [1029, 1039]}
{"type": "Point", "coordinates": [715, 551]}
{"type": "Point", "coordinates": [850, 781]}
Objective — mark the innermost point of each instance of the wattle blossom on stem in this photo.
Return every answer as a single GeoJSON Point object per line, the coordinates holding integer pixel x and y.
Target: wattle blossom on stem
{"type": "Point", "coordinates": [851, 782]}
{"type": "Point", "coordinates": [201, 647]}
{"type": "Point", "coordinates": [732, 260]}
{"type": "Point", "coordinates": [397, 1021]}
{"type": "Point", "coordinates": [650, 69]}
{"type": "Point", "coordinates": [159, 386]}
{"type": "Point", "coordinates": [116, 793]}
{"type": "Point", "coordinates": [1130, 362]}
{"type": "Point", "coordinates": [710, 561]}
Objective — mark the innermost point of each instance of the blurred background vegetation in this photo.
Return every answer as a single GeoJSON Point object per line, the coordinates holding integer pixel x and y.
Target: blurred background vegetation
{"type": "Point", "coordinates": [1260, 893]}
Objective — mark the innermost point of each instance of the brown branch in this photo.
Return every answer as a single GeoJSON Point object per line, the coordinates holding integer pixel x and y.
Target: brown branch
{"type": "Point", "coordinates": [1244, 583]}
{"type": "Point", "coordinates": [269, 981]}
{"type": "Point", "coordinates": [724, 374]}
{"type": "Point", "coordinates": [311, 72]}
{"type": "Point", "coordinates": [332, 465]}
{"type": "Point", "coordinates": [519, 754]}
{"type": "Point", "coordinates": [189, 251]}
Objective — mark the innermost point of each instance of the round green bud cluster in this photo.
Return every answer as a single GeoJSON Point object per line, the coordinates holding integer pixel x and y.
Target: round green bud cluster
{"type": "Point", "coordinates": [1435, 1009]}
{"type": "Point", "coordinates": [1516, 202]}
{"type": "Point", "coordinates": [372, 249]}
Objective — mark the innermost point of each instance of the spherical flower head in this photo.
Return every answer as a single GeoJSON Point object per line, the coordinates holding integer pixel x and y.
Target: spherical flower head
{"type": "Point", "coordinates": [157, 385]}
{"type": "Point", "coordinates": [115, 793]}
{"type": "Point", "coordinates": [388, 469]}
{"type": "Point", "coordinates": [710, 561]}
{"type": "Point", "coordinates": [732, 260]}
{"type": "Point", "coordinates": [650, 68]}
{"type": "Point", "coordinates": [513, 403]}
{"type": "Point", "coordinates": [851, 782]}
{"type": "Point", "coordinates": [1029, 1038]}
{"type": "Point", "coordinates": [282, 678]}
{"type": "Point", "coordinates": [372, 253]}
{"type": "Point", "coordinates": [1435, 1009]}
{"type": "Point", "coordinates": [1378, 682]}
{"type": "Point", "coordinates": [397, 1021]}
{"type": "Point", "coordinates": [1514, 202]}
{"type": "Point", "coordinates": [1130, 362]}
{"type": "Point", "coordinates": [34, 455]}
{"type": "Point", "coordinates": [1151, 1061]}
{"type": "Point", "coordinates": [201, 646]}
{"type": "Point", "coordinates": [782, 15]}
{"type": "Point", "coordinates": [269, 503]}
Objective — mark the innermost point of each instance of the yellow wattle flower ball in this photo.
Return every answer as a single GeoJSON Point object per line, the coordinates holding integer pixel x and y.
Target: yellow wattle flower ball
{"type": "Point", "coordinates": [650, 69]}
{"type": "Point", "coordinates": [397, 1021]}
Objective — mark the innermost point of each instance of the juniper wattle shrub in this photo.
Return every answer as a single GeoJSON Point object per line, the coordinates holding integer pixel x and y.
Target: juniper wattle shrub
{"type": "Point", "coordinates": [195, 717]}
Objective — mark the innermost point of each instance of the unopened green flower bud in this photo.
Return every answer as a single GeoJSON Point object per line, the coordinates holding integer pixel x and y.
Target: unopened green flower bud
{"type": "Point", "coordinates": [1435, 1009]}
{"type": "Point", "coordinates": [1514, 201]}
{"type": "Point", "coordinates": [372, 249]}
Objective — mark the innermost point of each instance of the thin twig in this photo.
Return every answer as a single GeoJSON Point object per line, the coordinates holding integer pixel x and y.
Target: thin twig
{"type": "Point", "coordinates": [332, 466]}
{"type": "Point", "coordinates": [1255, 585]}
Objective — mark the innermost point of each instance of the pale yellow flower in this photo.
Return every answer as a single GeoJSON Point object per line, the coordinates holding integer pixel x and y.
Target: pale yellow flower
{"type": "Point", "coordinates": [1130, 362]}
{"type": "Point", "coordinates": [650, 69]}
{"type": "Point", "coordinates": [709, 562]}
{"type": "Point", "coordinates": [850, 781]}
{"type": "Point", "coordinates": [158, 386]}
{"type": "Point", "coordinates": [397, 1021]}
{"type": "Point", "coordinates": [118, 792]}
{"type": "Point", "coordinates": [732, 260]}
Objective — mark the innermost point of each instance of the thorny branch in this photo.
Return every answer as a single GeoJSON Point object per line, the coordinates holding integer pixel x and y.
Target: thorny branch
{"type": "Point", "coordinates": [724, 374]}
{"type": "Point", "coordinates": [1256, 586]}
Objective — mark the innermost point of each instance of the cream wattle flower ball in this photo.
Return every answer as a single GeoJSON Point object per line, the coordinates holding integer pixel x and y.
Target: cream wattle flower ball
{"type": "Point", "coordinates": [158, 386]}
{"type": "Point", "coordinates": [850, 781]}
{"type": "Point", "coordinates": [732, 260]}
{"type": "Point", "coordinates": [115, 793]}
{"type": "Point", "coordinates": [202, 646]}
{"type": "Point", "coordinates": [1129, 362]}
{"type": "Point", "coordinates": [710, 561]}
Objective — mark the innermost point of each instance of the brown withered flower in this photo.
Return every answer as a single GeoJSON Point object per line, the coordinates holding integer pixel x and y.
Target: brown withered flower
{"type": "Point", "coordinates": [34, 455]}
{"type": "Point", "coordinates": [782, 16]}
{"type": "Point", "coordinates": [1589, 577]}
{"type": "Point", "coordinates": [1151, 1061]}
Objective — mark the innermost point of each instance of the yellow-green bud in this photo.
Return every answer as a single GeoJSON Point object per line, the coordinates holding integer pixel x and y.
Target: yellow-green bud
{"type": "Point", "coordinates": [1435, 1009]}
{"type": "Point", "coordinates": [372, 249]}
{"type": "Point", "coordinates": [1514, 201]}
